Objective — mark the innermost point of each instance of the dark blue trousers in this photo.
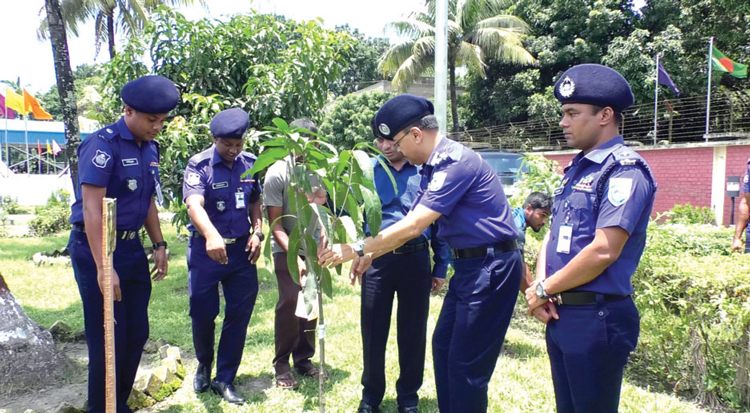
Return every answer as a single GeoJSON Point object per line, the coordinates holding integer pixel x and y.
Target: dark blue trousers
{"type": "Point", "coordinates": [239, 282]}
{"type": "Point", "coordinates": [472, 325]}
{"type": "Point", "coordinates": [131, 315]}
{"type": "Point", "coordinates": [588, 348]}
{"type": "Point", "coordinates": [409, 276]}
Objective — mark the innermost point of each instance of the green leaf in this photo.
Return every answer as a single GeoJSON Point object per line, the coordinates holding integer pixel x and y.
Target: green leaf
{"type": "Point", "coordinates": [343, 162]}
{"type": "Point", "coordinates": [266, 159]}
{"type": "Point", "coordinates": [373, 210]}
{"type": "Point", "coordinates": [349, 229]}
{"type": "Point", "coordinates": [388, 171]}
{"type": "Point", "coordinates": [281, 124]}
{"type": "Point", "coordinates": [291, 256]}
{"type": "Point", "coordinates": [364, 163]}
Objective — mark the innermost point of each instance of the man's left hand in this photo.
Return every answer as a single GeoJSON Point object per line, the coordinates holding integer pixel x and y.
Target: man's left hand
{"type": "Point", "coordinates": [253, 245]}
{"type": "Point", "coordinates": [437, 283]}
{"type": "Point", "coordinates": [336, 254]}
{"type": "Point", "coordinates": [161, 264]}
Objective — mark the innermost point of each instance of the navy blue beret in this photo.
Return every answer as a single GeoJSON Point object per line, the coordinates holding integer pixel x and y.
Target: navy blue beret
{"type": "Point", "coordinates": [594, 85]}
{"type": "Point", "coordinates": [398, 113]}
{"type": "Point", "coordinates": [150, 94]}
{"type": "Point", "coordinates": [230, 123]}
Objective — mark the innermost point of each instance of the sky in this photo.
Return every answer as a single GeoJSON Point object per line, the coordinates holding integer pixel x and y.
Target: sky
{"type": "Point", "coordinates": [23, 55]}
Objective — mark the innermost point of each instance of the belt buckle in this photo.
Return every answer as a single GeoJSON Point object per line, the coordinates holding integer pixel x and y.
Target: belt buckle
{"type": "Point", "coordinates": [132, 235]}
{"type": "Point", "coordinates": [230, 240]}
{"type": "Point", "coordinates": [557, 298]}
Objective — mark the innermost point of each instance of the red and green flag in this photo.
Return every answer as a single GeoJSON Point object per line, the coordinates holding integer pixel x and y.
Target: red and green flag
{"type": "Point", "coordinates": [726, 65]}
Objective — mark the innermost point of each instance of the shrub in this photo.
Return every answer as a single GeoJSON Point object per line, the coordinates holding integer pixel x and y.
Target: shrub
{"type": "Point", "coordinates": [10, 205]}
{"type": "Point", "coordinates": [688, 214]}
{"type": "Point", "coordinates": [53, 217]}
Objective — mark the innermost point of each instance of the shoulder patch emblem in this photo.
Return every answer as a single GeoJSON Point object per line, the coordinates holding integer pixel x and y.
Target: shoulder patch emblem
{"type": "Point", "coordinates": [193, 179]}
{"type": "Point", "coordinates": [619, 190]}
{"type": "Point", "coordinates": [438, 179]}
{"type": "Point", "coordinates": [100, 159]}
{"type": "Point", "coordinates": [746, 178]}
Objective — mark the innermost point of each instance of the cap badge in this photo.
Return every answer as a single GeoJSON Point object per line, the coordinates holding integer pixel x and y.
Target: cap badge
{"type": "Point", "coordinates": [384, 129]}
{"type": "Point", "coordinates": [567, 87]}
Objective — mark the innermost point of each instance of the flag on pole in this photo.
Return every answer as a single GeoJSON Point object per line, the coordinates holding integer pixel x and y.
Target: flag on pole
{"type": "Point", "coordinates": [49, 149]}
{"type": "Point", "coordinates": [39, 148]}
{"type": "Point", "coordinates": [5, 111]}
{"type": "Point", "coordinates": [726, 65]}
{"type": "Point", "coordinates": [55, 148]}
{"type": "Point", "coordinates": [665, 80]}
{"type": "Point", "coordinates": [33, 106]}
{"type": "Point", "coordinates": [14, 101]}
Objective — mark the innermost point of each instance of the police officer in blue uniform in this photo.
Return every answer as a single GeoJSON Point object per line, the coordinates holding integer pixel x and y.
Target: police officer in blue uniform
{"type": "Point", "coordinates": [120, 161]}
{"type": "Point", "coordinates": [223, 208]}
{"type": "Point", "coordinates": [462, 194]}
{"type": "Point", "coordinates": [597, 236]}
{"type": "Point", "coordinates": [405, 271]}
{"type": "Point", "coordinates": [743, 213]}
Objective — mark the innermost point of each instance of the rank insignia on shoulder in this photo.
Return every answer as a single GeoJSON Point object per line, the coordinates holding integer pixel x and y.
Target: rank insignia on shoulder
{"type": "Point", "coordinates": [153, 164]}
{"type": "Point", "coordinates": [100, 159]}
{"type": "Point", "coordinates": [221, 206]}
{"type": "Point", "coordinates": [627, 162]}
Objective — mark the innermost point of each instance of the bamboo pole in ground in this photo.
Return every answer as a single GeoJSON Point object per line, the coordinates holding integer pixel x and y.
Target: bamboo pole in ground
{"type": "Point", "coordinates": [109, 225]}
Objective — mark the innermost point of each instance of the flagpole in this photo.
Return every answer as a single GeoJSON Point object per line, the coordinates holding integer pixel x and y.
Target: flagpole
{"type": "Point", "coordinates": [708, 90]}
{"type": "Point", "coordinates": [656, 96]}
{"type": "Point", "coordinates": [26, 138]}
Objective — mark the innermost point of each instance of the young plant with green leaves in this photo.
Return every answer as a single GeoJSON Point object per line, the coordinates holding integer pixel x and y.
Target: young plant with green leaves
{"type": "Point", "coordinates": [347, 177]}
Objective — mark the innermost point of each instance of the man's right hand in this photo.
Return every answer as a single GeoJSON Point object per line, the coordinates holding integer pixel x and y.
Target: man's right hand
{"type": "Point", "coordinates": [546, 312]}
{"type": "Point", "coordinates": [115, 284]}
{"type": "Point", "coordinates": [737, 244]}
{"type": "Point", "coordinates": [216, 249]}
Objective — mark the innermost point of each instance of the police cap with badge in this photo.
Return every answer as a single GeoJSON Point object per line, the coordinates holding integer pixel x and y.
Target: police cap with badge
{"type": "Point", "coordinates": [398, 113]}
{"type": "Point", "coordinates": [230, 123]}
{"type": "Point", "coordinates": [596, 85]}
{"type": "Point", "coordinates": [150, 94]}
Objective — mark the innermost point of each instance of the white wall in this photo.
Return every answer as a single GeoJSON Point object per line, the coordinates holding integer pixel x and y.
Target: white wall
{"type": "Point", "coordinates": [34, 189]}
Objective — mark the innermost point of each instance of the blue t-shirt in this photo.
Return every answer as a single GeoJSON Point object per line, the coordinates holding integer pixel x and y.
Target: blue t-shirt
{"type": "Point", "coordinates": [519, 218]}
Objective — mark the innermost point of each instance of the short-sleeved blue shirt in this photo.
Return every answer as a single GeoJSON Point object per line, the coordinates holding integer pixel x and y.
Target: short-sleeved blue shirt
{"type": "Point", "coordinates": [395, 206]}
{"type": "Point", "coordinates": [626, 201]}
{"type": "Point", "coordinates": [746, 179]}
{"type": "Point", "coordinates": [227, 197]}
{"type": "Point", "coordinates": [111, 158]}
{"type": "Point", "coordinates": [519, 218]}
{"type": "Point", "coordinates": [463, 187]}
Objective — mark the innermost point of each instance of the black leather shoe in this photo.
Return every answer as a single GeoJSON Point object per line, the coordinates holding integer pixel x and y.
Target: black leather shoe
{"type": "Point", "coordinates": [366, 408]}
{"type": "Point", "coordinates": [411, 409]}
{"type": "Point", "coordinates": [226, 391]}
{"type": "Point", "coordinates": [202, 378]}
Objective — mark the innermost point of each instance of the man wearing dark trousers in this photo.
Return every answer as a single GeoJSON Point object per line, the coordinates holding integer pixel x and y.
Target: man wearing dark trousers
{"type": "Point", "coordinates": [224, 207]}
{"type": "Point", "coordinates": [743, 212]}
{"type": "Point", "coordinates": [406, 272]}
{"type": "Point", "coordinates": [120, 161]}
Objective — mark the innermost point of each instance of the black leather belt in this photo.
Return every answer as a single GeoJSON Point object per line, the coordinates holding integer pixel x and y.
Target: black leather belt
{"type": "Point", "coordinates": [585, 298]}
{"type": "Point", "coordinates": [476, 252]}
{"type": "Point", "coordinates": [409, 248]}
{"type": "Point", "coordinates": [122, 234]}
{"type": "Point", "coordinates": [227, 241]}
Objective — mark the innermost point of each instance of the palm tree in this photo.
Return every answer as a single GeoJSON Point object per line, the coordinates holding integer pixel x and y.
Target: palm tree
{"type": "Point", "coordinates": [477, 30]}
{"type": "Point", "coordinates": [110, 16]}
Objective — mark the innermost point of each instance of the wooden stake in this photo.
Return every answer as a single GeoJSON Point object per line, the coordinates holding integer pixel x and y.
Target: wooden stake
{"type": "Point", "coordinates": [109, 239]}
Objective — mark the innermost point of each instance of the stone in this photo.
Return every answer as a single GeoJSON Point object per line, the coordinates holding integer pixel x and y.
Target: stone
{"type": "Point", "coordinates": [67, 408]}
{"type": "Point", "coordinates": [163, 351]}
{"type": "Point", "coordinates": [150, 347]}
{"type": "Point", "coordinates": [172, 365]}
{"type": "Point", "coordinates": [163, 373]}
{"type": "Point", "coordinates": [148, 383]}
{"type": "Point", "coordinates": [139, 400]}
{"type": "Point", "coordinates": [61, 331]}
{"type": "Point", "coordinates": [174, 352]}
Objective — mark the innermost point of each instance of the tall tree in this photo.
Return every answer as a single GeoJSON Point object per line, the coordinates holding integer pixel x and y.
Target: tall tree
{"type": "Point", "coordinates": [477, 30]}
{"type": "Point", "coordinates": [65, 85]}
{"type": "Point", "coordinates": [362, 63]}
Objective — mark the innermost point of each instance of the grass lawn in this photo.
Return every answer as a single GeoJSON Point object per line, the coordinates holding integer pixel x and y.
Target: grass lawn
{"type": "Point", "coordinates": [521, 382]}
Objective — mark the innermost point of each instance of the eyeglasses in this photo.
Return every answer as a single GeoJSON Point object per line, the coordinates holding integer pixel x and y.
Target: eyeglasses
{"type": "Point", "coordinates": [397, 144]}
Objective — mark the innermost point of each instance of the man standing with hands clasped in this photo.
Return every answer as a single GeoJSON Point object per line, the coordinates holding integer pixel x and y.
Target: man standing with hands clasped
{"type": "Point", "coordinates": [120, 161]}
{"type": "Point", "coordinates": [596, 239]}
{"type": "Point", "coordinates": [224, 207]}
{"type": "Point", "coordinates": [462, 194]}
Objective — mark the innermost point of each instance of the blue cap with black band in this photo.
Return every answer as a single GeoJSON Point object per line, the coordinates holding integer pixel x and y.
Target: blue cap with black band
{"type": "Point", "coordinates": [398, 113]}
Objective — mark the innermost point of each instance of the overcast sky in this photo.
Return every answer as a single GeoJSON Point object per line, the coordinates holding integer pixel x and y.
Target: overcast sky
{"type": "Point", "coordinates": [22, 55]}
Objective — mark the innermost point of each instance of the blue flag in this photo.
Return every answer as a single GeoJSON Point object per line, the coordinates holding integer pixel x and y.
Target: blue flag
{"type": "Point", "coordinates": [665, 80]}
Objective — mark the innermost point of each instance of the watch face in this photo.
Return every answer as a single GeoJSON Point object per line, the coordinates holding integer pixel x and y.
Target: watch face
{"type": "Point", "coordinates": [540, 290]}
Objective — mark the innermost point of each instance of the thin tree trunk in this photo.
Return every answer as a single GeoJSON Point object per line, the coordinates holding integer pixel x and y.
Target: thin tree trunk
{"type": "Point", "coordinates": [322, 347]}
{"type": "Point", "coordinates": [111, 33]}
{"type": "Point", "coordinates": [65, 85]}
{"type": "Point", "coordinates": [454, 103]}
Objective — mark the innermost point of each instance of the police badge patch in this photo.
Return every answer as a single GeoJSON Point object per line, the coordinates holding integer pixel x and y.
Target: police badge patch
{"type": "Point", "coordinates": [193, 179]}
{"type": "Point", "coordinates": [437, 181]}
{"type": "Point", "coordinates": [100, 159]}
{"type": "Point", "coordinates": [619, 190]}
{"type": "Point", "coordinates": [132, 184]}
{"type": "Point", "coordinates": [221, 206]}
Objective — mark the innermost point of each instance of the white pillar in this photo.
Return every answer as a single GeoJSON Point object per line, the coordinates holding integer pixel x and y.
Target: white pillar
{"type": "Point", "coordinates": [718, 177]}
{"type": "Point", "coordinates": [441, 63]}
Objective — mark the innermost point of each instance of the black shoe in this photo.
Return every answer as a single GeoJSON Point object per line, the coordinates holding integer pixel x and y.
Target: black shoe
{"type": "Point", "coordinates": [202, 378]}
{"type": "Point", "coordinates": [366, 408]}
{"type": "Point", "coordinates": [410, 409]}
{"type": "Point", "coordinates": [226, 391]}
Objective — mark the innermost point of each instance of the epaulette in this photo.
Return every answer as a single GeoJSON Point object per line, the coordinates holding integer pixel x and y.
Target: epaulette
{"type": "Point", "coordinates": [624, 153]}
{"type": "Point", "coordinates": [108, 133]}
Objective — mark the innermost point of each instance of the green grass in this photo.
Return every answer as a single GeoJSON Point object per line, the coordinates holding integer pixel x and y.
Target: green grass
{"type": "Point", "coordinates": [521, 382]}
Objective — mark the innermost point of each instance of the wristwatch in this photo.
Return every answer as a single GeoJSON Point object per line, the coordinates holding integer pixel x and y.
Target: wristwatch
{"type": "Point", "coordinates": [260, 235]}
{"type": "Point", "coordinates": [159, 244]}
{"type": "Point", "coordinates": [359, 248]}
{"type": "Point", "coordinates": [541, 293]}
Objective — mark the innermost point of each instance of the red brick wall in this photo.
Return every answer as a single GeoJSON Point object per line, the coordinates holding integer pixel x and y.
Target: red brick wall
{"type": "Point", "coordinates": [684, 174]}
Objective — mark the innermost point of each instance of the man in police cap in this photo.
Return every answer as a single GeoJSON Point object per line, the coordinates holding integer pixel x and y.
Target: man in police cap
{"type": "Point", "coordinates": [120, 161]}
{"type": "Point", "coordinates": [405, 271]}
{"type": "Point", "coordinates": [224, 207]}
{"type": "Point", "coordinates": [597, 235]}
{"type": "Point", "coordinates": [462, 194]}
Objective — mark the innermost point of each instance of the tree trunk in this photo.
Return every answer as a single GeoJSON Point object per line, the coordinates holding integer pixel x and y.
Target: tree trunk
{"type": "Point", "coordinates": [321, 348]}
{"type": "Point", "coordinates": [454, 103]}
{"type": "Point", "coordinates": [65, 85]}
{"type": "Point", "coordinates": [28, 355]}
{"type": "Point", "coordinates": [111, 33]}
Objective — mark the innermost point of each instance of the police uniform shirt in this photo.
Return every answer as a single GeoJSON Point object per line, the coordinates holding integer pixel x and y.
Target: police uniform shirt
{"type": "Point", "coordinates": [111, 158]}
{"type": "Point", "coordinates": [746, 179]}
{"type": "Point", "coordinates": [227, 197]}
{"type": "Point", "coordinates": [395, 206]}
{"type": "Point", "coordinates": [626, 201]}
{"type": "Point", "coordinates": [460, 185]}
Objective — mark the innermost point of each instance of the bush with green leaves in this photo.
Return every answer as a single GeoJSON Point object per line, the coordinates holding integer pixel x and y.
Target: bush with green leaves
{"type": "Point", "coordinates": [688, 214]}
{"type": "Point", "coordinates": [9, 205]}
{"type": "Point", "coordinates": [53, 217]}
{"type": "Point", "coordinates": [348, 121]}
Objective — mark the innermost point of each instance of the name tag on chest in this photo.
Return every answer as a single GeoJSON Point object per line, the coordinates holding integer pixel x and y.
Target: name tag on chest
{"type": "Point", "coordinates": [220, 185]}
{"type": "Point", "coordinates": [130, 162]}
